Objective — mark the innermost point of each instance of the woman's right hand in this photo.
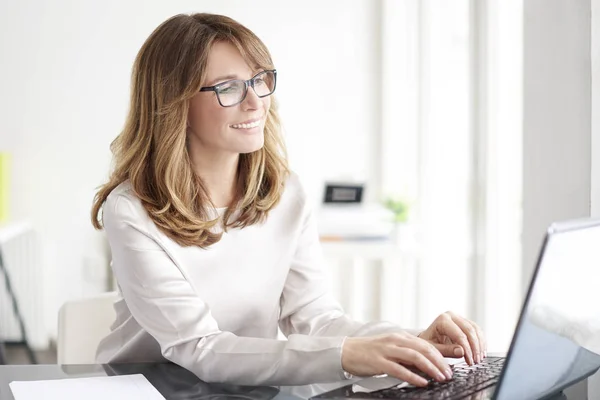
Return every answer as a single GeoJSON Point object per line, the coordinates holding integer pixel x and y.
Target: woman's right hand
{"type": "Point", "coordinates": [394, 354]}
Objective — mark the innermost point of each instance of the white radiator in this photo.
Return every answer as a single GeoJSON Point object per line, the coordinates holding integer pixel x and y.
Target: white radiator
{"type": "Point", "coordinates": [20, 247]}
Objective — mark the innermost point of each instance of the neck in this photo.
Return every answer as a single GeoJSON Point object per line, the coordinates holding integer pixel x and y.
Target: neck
{"type": "Point", "coordinates": [218, 171]}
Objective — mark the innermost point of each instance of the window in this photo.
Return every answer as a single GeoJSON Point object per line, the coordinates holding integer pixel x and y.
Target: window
{"type": "Point", "coordinates": [451, 141]}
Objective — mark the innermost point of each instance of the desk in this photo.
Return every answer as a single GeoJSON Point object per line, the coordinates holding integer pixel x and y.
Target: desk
{"type": "Point", "coordinates": [174, 382]}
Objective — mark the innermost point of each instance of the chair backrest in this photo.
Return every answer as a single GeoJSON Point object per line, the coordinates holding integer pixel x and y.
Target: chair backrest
{"type": "Point", "coordinates": [82, 324]}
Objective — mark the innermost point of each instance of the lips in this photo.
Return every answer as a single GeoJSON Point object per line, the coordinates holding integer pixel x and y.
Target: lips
{"type": "Point", "coordinates": [248, 124]}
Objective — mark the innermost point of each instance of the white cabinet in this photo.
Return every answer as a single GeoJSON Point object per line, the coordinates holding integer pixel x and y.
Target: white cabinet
{"type": "Point", "coordinates": [374, 280]}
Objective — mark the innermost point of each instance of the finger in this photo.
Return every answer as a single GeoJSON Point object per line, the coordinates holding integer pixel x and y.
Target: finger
{"type": "Point", "coordinates": [481, 337]}
{"type": "Point", "coordinates": [434, 367]}
{"type": "Point", "coordinates": [430, 351]}
{"type": "Point", "coordinates": [471, 334]}
{"type": "Point", "coordinates": [427, 349]}
{"type": "Point", "coordinates": [449, 350]}
{"type": "Point", "coordinates": [468, 328]}
{"type": "Point", "coordinates": [455, 333]}
{"type": "Point", "coordinates": [400, 372]}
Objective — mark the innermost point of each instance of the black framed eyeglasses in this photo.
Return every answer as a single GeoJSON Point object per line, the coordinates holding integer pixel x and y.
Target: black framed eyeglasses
{"type": "Point", "coordinates": [231, 93]}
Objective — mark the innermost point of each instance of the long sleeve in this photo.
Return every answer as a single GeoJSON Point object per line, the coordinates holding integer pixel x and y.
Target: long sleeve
{"type": "Point", "coordinates": [307, 304]}
{"type": "Point", "coordinates": [165, 303]}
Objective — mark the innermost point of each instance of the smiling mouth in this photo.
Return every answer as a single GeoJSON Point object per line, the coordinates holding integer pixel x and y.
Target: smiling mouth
{"type": "Point", "coordinates": [248, 125]}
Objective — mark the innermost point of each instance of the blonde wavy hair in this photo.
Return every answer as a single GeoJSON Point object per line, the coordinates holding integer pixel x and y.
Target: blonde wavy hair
{"type": "Point", "coordinates": [151, 151]}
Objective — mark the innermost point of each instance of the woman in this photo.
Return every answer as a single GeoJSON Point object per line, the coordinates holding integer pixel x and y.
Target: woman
{"type": "Point", "coordinates": [214, 244]}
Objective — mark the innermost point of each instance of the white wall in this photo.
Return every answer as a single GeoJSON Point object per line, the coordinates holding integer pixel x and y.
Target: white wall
{"type": "Point", "coordinates": [595, 47]}
{"type": "Point", "coordinates": [594, 382]}
{"type": "Point", "coordinates": [558, 154]}
{"type": "Point", "coordinates": [556, 118]}
{"type": "Point", "coordinates": [65, 82]}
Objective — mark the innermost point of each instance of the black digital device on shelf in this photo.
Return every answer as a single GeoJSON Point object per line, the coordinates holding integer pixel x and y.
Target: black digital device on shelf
{"type": "Point", "coordinates": [343, 193]}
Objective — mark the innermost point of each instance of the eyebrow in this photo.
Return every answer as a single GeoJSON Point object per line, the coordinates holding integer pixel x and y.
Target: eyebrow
{"type": "Point", "coordinates": [222, 78]}
{"type": "Point", "coordinates": [229, 77]}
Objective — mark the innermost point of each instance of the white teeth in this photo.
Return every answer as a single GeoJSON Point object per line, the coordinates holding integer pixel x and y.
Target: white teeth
{"type": "Point", "coordinates": [246, 126]}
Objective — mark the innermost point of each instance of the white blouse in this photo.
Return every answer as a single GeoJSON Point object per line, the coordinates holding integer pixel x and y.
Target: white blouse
{"type": "Point", "coordinates": [216, 311]}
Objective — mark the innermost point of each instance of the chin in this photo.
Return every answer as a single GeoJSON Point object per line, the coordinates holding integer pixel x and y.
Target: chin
{"type": "Point", "coordinates": [251, 147]}
{"type": "Point", "coordinates": [252, 143]}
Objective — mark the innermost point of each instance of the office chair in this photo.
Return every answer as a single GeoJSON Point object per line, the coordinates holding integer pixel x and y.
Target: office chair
{"type": "Point", "coordinates": [82, 324]}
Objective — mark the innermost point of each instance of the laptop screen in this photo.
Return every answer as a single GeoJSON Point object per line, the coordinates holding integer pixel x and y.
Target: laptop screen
{"type": "Point", "coordinates": [557, 341]}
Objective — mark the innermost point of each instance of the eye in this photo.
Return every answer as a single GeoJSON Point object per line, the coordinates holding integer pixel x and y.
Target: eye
{"type": "Point", "coordinates": [229, 89]}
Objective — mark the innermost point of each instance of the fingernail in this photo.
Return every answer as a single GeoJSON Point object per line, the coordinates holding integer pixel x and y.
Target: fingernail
{"type": "Point", "coordinates": [458, 352]}
{"type": "Point", "coordinates": [441, 376]}
{"type": "Point", "coordinates": [448, 373]}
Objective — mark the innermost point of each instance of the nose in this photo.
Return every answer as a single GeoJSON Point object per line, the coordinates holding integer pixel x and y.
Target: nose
{"type": "Point", "coordinates": [252, 101]}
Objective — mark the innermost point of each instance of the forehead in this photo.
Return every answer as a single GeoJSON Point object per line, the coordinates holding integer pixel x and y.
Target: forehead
{"type": "Point", "coordinates": [225, 59]}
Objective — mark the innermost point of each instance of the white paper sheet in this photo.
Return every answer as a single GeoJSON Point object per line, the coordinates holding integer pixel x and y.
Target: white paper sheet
{"type": "Point", "coordinates": [123, 387]}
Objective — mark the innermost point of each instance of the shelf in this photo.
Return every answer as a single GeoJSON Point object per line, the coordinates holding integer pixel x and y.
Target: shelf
{"type": "Point", "coordinates": [362, 249]}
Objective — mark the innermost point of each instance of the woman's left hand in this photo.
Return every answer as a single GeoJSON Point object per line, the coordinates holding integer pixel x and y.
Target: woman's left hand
{"type": "Point", "coordinates": [455, 336]}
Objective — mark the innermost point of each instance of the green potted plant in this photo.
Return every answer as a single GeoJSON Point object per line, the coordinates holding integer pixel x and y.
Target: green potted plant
{"type": "Point", "coordinates": [401, 208]}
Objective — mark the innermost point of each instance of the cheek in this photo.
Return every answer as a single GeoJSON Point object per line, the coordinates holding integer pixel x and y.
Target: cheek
{"type": "Point", "coordinates": [266, 103]}
{"type": "Point", "coordinates": [217, 118]}
{"type": "Point", "coordinates": [207, 116]}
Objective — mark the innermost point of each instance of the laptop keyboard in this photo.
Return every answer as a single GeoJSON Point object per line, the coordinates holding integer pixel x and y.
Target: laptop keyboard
{"type": "Point", "coordinates": [466, 380]}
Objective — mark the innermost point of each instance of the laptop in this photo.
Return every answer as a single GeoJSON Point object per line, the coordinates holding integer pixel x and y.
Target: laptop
{"type": "Point", "coordinates": [556, 342]}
